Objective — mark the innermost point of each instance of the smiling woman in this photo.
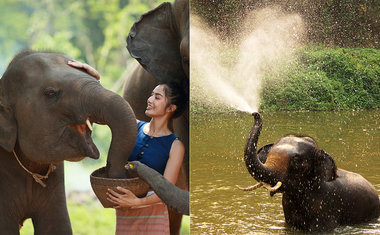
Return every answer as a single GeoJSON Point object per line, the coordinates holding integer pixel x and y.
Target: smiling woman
{"type": "Point", "coordinates": [157, 147]}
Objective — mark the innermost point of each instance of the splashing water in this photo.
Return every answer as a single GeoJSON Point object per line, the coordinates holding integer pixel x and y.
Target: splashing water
{"type": "Point", "coordinates": [229, 73]}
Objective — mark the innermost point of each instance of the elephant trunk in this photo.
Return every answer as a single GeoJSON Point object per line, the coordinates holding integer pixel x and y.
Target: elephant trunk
{"type": "Point", "coordinates": [255, 167]}
{"type": "Point", "coordinates": [171, 195]}
{"type": "Point", "coordinates": [106, 107]}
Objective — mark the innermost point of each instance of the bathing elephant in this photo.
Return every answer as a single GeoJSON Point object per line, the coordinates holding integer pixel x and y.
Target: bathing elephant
{"type": "Point", "coordinates": [46, 113]}
{"type": "Point", "coordinates": [317, 196]}
{"type": "Point", "coordinates": [159, 41]}
{"type": "Point", "coordinates": [171, 195]}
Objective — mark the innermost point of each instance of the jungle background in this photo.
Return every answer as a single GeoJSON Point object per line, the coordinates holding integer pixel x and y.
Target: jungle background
{"type": "Point", "coordinates": [92, 31]}
{"type": "Point", "coordinates": [337, 67]}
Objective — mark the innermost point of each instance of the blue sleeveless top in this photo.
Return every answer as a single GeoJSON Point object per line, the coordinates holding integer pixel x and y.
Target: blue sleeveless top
{"type": "Point", "coordinates": [152, 151]}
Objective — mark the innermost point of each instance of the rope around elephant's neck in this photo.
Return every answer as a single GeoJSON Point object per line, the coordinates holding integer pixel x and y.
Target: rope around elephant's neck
{"type": "Point", "coordinates": [37, 177]}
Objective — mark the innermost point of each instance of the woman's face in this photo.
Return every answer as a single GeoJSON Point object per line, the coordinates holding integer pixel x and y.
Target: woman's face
{"type": "Point", "coordinates": [157, 102]}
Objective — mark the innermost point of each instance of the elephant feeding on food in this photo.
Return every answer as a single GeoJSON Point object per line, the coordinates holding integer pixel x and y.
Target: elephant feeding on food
{"type": "Point", "coordinates": [317, 196]}
{"type": "Point", "coordinates": [159, 41]}
{"type": "Point", "coordinates": [46, 113]}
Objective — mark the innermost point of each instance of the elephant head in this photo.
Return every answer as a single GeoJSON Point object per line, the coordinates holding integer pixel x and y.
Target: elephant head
{"type": "Point", "coordinates": [160, 41]}
{"type": "Point", "coordinates": [293, 163]}
{"type": "Point", "coordinates": [47, 108]}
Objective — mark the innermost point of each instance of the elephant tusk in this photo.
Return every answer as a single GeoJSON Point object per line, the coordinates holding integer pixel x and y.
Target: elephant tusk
{"type": "Point", "coordinates": [256, 186]}
{"type": "Point", "coordinates": [89, 124]}
{"type": "Point", "coordinates": [274, 188]}
{"type": "Point", "coordinates": [277, 186]}
{"type": "Point", "coordinates": [261, 184]}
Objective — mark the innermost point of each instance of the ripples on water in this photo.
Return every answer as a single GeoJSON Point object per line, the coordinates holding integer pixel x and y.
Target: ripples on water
{"type": "Point", "coordinates": [217, 145]}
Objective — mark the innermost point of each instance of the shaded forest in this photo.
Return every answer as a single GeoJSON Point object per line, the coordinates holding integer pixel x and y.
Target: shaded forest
{"type": "Point", "coordinates": [92, 31]}
{"type": "Point", "coordinates": [349, 23]}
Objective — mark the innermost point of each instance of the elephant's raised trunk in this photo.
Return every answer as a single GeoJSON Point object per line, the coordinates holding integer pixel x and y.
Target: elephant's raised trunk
{"type": "Point", "coordinates": [255, 167]}
{"type": "Point", "coordinates": [106, 107]}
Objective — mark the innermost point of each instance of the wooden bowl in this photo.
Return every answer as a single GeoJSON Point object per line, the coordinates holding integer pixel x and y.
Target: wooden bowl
{"type": "Point", "coordinates": [100, 185]}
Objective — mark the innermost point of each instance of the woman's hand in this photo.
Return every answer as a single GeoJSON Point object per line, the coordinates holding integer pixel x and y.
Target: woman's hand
{"type": "Point", "coordinates": [90, 70]}
{"type": "Point", "coordinates": [125, 199]}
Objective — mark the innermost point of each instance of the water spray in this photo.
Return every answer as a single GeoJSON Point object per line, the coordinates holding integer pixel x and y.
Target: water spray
{"type": "Point", "coordinates": [235, 80]}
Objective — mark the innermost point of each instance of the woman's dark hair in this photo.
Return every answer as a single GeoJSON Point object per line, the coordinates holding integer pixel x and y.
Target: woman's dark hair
{"type": "Point", "coordinates": [177, 96]}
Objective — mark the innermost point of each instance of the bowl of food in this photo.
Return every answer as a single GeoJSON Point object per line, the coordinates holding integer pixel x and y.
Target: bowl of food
{"type": "Point", "coordinates": [100, 184]}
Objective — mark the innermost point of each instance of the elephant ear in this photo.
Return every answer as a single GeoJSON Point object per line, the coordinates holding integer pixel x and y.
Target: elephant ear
{"type": "Point", "coordinates": [154, 42]}
{"type": "Point", "coordinates": [263, 152]}
{"type": "Point", "coordinates": [325, 167]}
{"type": "Point", "coordinates": [8, 128]}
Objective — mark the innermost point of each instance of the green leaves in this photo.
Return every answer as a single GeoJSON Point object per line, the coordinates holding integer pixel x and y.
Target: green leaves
{"type": "Point", "coordinates": [326, 79]}
{"type": "Point", "coordinates": [92, 31]}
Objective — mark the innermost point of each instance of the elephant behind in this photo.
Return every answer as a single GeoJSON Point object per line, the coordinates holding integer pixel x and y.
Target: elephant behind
{"type": "Point", "coordinates": [159, 41]}
{"type": "Point", "coordinates": [46, 113]}
{"type": "Point", "coordinates": [317, 196]}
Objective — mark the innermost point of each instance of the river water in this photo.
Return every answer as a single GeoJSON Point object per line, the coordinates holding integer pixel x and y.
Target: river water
{"type": "Point", "coordinates": [352, 138]}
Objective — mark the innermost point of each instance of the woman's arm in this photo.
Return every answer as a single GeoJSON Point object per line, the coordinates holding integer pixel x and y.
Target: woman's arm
{"type": "Point", "coordinates": [127, 199]}
{"type": "Point", "coordinates": [173, 166]}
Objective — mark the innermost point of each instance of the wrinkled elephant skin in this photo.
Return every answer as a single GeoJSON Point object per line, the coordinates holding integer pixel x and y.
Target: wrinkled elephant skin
{"type": "Point", "coordinates": [171, 195]}
{"type": "Point", "coordinates": [160, 43]}
{"type": "Point", "coordinates": [46, 111]}
{"type": "Point", "coordinates": [317, 196]}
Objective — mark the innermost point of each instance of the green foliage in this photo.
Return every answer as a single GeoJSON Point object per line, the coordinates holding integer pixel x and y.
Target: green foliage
{"type": "Point", "coordinates": [88, 30]}
{"type": "Point", "coordinates": [325, 79]}
{"type": "Point", "coordinates": [185, 225]}
{"type": "Point", "coordinates": [91, 218]}
{"type": "Point", "coordinates": [347, 23]}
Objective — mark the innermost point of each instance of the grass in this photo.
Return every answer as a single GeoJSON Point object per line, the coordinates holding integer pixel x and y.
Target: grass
{"type": "Point", "coordinates": [91, 218]}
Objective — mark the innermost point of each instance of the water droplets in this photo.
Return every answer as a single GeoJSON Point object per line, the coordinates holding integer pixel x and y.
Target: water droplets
{"type": "Point", "coordinates": [229, 73]}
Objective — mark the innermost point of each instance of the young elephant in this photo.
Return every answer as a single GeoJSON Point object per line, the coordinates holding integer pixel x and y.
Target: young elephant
{"type": "Point", "coordinates": [46, 111]}
{"type": "Point", "coordinates": [316, 195]}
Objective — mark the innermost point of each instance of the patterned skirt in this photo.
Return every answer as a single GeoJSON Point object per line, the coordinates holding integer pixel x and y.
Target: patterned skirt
{"type": "Point", "coordinates": [152, 219]}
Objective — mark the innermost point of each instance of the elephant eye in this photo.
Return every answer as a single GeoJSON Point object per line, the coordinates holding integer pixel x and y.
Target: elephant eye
{"type": "Point", "coordinates": [50, 92]}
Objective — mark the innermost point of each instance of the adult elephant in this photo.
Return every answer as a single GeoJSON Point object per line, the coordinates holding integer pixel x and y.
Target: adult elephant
{"type": "Point", "coordinates": [159, 41]}
{"type": "Point", "coordinates": [317, 196]}
{"type": "Point", "coordinates": [46, 111]}
{"type": "Point", "coordinates": [174, 197]}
